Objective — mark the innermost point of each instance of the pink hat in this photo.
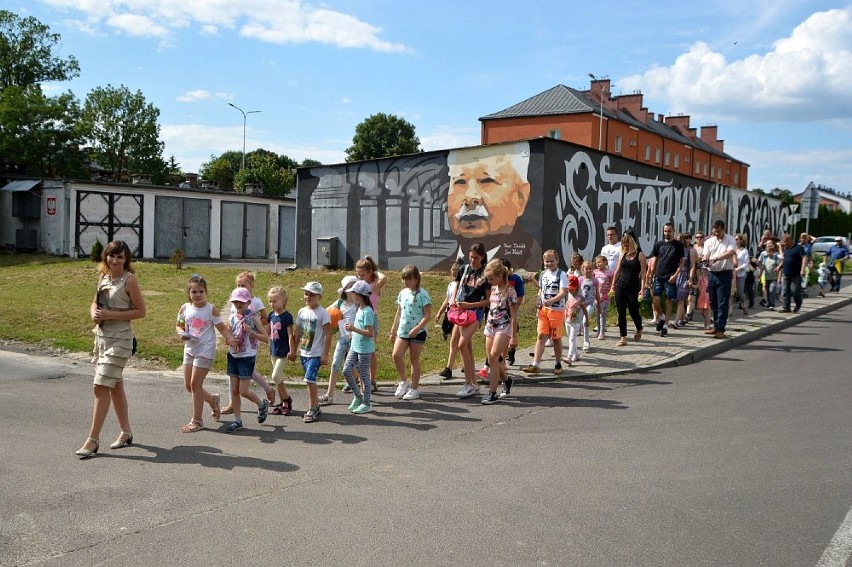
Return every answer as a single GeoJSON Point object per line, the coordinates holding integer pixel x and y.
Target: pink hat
{"type": "Point", "coordinates": [241, 294]}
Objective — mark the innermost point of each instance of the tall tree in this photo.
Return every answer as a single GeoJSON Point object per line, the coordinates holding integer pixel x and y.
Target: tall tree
{"type": "Point", "coordinates": [222, 169]}
{"type": "Point", "coordinates": [383, 135]}
{"type": "Point", "coordinates": [37, 133]}
{"type": "Point", "coordinates": [28, 53]}
{"type": "Point", "coordinates": [122, 130]}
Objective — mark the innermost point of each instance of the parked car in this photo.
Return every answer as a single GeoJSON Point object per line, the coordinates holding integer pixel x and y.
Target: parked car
{"type": "Point", "coordinates": [823, 243]}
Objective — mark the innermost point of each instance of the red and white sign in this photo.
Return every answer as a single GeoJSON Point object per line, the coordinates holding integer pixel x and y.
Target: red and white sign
{"type": "Point", "coordinates": [51, 205]}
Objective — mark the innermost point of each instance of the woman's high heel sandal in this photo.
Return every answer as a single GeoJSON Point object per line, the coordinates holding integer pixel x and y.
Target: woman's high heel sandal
{"type": "Point", "coordinates": [83, 453]}
{"type": "Point", "coordinates": [123, 440]}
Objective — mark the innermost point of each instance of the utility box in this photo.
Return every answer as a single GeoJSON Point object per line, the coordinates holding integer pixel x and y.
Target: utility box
{"type": "Point", "coordinates": [327, 251]}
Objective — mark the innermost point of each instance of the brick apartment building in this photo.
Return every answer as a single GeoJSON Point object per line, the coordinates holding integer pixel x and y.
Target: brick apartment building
{"type": "Point", "coordinates": [618, 125]}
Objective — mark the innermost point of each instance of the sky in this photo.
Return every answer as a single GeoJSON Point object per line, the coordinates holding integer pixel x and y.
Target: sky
{"type": "Point", "coordinates": [774, 75]}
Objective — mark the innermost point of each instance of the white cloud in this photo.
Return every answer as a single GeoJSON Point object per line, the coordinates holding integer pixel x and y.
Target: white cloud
{"type": "Point", "coordinates": [445, 136]}
{"type": "Point", "coordinates": [202, 94]}
{"type": "Point", "coordinates": [806, 76]}
{"type": "Point", "coordinates": [271, 21]}
{"type": "Point", "coordinates": [794, 169]}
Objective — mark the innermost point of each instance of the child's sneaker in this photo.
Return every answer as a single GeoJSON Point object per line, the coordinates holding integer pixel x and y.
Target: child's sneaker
{"type": "Point", "coordinates": [507, 387]}
{"type": "Point", "coordinates": [363, 408]}
{"type": "Point", "coordinates": [402, 388]}
{"type": "Point", "coordinates": [660, 324]}
{"type": "Point", "coordinates": [490, 398]}
{"type": "Point", "coordinates": [483, 373]}
{"type": "Point", "coordinates": [411, 394]}
{"type": "Point", "coordinates": [511, 356]}
{"type": "Point", "coordinates": [467, 391]}
{"type": "Point", "coordinates": [234, 426]}
{"type": "Point", "coordinates": [587, 346]}
{"type": "Point", "coordinates": [558, 368]}
{"type": "Point", "coordinates": [446, 373]}
{"type": "Point", "coordinates": [530, 369]}
{"type": "Point", "coordinates": [262, 410]}
{"type": "Point", "coordinates": [356, 401]}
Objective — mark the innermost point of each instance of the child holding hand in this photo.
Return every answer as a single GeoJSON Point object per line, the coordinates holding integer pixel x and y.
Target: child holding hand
{"type": "Point", "coordinates": [604, 278]}
{"type": "Point", "coordinates": [196, 321]}
{"type": "Point", "coordinates": [408, 332]}
{"type": "Point", "coordinates": [499, 328]}
{"type": "Point", "coordinates": [592, 298]}
{"type": "Point", "coordinates": [281, 344]}
{"type": "Point", "coordinates": [575, 313]}
{"type": "Point", "coordinates": [247, 331]}
{"type": "Point", "coordinates": [362, 348]}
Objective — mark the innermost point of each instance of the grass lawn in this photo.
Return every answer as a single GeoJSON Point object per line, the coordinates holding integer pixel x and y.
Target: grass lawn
{"type": "Point", "coordinates": [45, 301]}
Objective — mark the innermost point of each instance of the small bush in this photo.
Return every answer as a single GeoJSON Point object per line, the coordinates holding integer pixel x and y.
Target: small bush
{"type": "Point", "coordinates": [177, 259]}
{"type": "Point", "coordinates": [97, 251]}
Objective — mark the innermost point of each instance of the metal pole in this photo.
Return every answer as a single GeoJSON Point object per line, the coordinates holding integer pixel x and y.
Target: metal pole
{"type": "Point", "coordinates": [244, 113]}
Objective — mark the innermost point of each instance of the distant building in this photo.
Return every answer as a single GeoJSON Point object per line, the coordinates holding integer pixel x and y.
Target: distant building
{"type": "Point", "coordinates": [620, 126]}
{"type": "Point", "coordinates": [831, 201]}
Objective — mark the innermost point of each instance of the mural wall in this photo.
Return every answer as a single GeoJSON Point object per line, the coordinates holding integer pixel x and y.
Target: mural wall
{"type": "Point", "coordinates": [518, 199]}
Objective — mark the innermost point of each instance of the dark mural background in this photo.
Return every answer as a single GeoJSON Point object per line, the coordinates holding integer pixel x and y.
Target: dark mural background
{"type": "Point", "coordinates": [426, 209]}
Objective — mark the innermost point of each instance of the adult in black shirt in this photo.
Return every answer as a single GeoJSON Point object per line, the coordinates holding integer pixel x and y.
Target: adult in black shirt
{"type": "Point", "coordinates": [670, 255]}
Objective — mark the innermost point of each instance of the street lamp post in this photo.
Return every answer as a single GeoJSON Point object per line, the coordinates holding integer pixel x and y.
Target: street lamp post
{"type": "Point", "coordinates": [244, 113]}
{"type": "Point", "coordinates": [600, 118]}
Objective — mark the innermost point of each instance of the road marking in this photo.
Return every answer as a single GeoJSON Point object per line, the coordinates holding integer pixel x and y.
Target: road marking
{"type": "Point", "coordinates": [839, 549]}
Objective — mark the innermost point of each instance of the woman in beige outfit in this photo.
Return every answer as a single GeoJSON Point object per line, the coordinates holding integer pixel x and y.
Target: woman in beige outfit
{"type": "Point", "coordinates": [117, 302]}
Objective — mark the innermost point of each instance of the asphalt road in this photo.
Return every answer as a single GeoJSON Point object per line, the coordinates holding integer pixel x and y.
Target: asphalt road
{"type": "Point", "coordinates": [742, 459]}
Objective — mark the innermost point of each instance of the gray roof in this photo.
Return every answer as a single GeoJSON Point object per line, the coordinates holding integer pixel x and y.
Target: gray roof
{"type": "Point", "coordinates": [558, 100]}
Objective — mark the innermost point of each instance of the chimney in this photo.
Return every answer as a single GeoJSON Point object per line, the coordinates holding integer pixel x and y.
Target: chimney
{"type": "Point", "coordinates": [680, 124]}
{"type": "Point", "coordinates": [710, 136]}
{"type": "Point", "coordinates": [192, 179]}
{"type": "Point", "coordinates": [600, 90]}
{"type": "Point", "coordinates": [632, 104]}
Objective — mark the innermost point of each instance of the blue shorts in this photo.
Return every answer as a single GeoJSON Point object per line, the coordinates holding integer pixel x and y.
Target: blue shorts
{"type": "Point", "coordinates": [661, 284]}
{"type": "Point", "coordinates": [311, 365]}
{"type": "Point", "coordinates": [241, 367]}
{"type": "Point", "coordinates": [419, 338]}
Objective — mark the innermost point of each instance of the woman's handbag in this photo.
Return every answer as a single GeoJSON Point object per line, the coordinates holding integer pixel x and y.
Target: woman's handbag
{"type": "Point", "coordinates": [461, 317]}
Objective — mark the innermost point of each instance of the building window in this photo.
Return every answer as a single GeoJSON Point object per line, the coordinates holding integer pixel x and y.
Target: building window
{"type": "Point", "coordinates": [555, 134]}
{"type": "Point", "coordinates": [668, 159]}
{"type": "Point", "coordinates": [697, 166]}
{"type": "Point", "coordinates": [677, 160]}
{"type": "Point", "coordinates": [647, 152]}
{"type": "Point", "coordinates": [618, 144]}
{"type": "Point", "coordinates": [712, 171]}
{"type": "Point", "coordinates": [736, 178]}
{"type": "Point", "coordinates": [705, 170]}
{"type": "Point", "coordinates": [657, 153]}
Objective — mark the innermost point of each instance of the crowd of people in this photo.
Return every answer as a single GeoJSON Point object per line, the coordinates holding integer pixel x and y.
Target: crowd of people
{"type": "Point", "coordinates": [682, 273]}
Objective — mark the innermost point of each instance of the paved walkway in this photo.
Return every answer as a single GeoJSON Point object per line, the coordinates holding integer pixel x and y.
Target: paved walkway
{"type": "Point", "coordinates": [681, 346]}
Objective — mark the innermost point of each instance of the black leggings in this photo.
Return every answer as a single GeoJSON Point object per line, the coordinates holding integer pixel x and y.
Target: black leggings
{"type": "Point", "coordinates": [627, 301]}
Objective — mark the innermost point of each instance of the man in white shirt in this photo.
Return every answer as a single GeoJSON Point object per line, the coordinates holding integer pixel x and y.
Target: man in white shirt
{"type": "Point", "coordinates": [612, 250]}
{"type": "Point", "coordinates": [719, 252]}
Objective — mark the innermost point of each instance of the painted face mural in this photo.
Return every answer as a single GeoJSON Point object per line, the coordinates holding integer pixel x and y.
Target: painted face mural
{"type": "Point", "coordinates": [488, 191]}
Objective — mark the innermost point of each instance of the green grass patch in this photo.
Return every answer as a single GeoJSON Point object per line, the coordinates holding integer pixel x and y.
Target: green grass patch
{"type": "Point", "coordinates": [45, 300]}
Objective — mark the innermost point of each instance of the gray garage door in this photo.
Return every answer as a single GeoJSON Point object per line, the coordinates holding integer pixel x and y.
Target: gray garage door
{"type": "Point", "coordinates": [287, 233]}
{"type": "Point", "coordinates": [182, 223]}
{"type": "Point", "coordinates": [245, 227]}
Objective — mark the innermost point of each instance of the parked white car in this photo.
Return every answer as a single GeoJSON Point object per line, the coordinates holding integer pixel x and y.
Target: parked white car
{"type": "Point", "coordinates": [823, 243]}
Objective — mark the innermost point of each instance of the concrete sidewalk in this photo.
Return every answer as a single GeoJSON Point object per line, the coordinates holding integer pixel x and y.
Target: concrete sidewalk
{"type": "Point", "coordinates": [681, 347]}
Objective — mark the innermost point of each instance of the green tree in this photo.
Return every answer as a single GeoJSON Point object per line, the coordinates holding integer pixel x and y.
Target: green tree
{"type": "Point", "coordinates": [122, 131]}
{"type": "Point", "coordinates": [38, 133]}
{"type": "Point", "coordinates": [28, 53]}
{"type": "Point", "coordinates": [308, 162]}
{"type": "Point", "coordinates": [222, 169]}
{"type": "Point", "coordinates": [383, 135]}
{"type": "Point", "coordinates": [263, 168]}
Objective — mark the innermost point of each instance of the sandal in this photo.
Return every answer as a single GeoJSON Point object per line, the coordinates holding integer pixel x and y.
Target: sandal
{"type": "Point", "coordinates": [287, 406]}
{"type": "Point", "coordinates": [622, 342]}
{"type": "Point", "coordinates": [637, 335]}
{"type": "Point", "coordinates": [311, 415]}
{"type": "Point", "coordinates": [215, 407]}
{"type": "Point", "coordinates": [192, 426]}
{"type": "Point", "coordinates": [228, 409]}
{"type": "Point", "coordinates": [326, 400]}
{"type": "Point", "coordinates": [277, 410]}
